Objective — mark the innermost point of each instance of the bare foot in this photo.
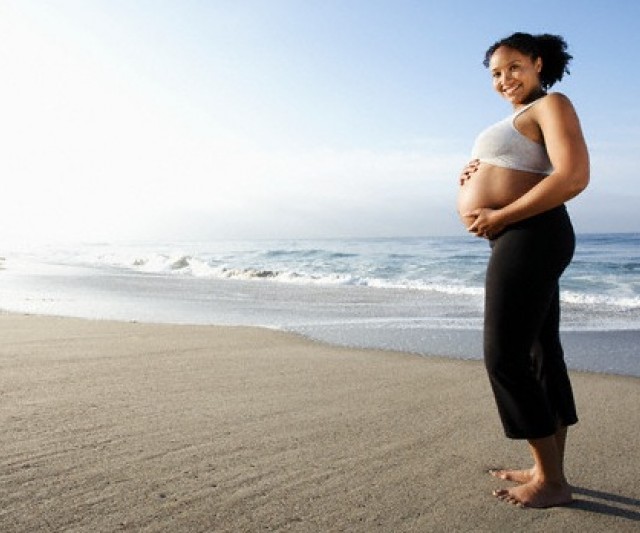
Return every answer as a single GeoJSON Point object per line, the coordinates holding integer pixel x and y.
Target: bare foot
{"type": "Point", "coordinates": [536, 494]}
{"type": "Point", "coordinates": [519, 476]}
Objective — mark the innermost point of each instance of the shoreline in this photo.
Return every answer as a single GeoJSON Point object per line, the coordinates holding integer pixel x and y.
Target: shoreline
{"type": "Point", "coordinates": [132, 426]}
{"type": "Point", "coordinates": [414, 295]}
{"type": "Point", "coordinates": [619, 345]}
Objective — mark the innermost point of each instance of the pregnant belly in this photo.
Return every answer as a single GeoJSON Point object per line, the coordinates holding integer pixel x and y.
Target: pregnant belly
{"type": "Point", "coordinates": [493, 187]}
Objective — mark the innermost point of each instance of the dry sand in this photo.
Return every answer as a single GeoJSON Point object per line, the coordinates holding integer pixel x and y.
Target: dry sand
{"type": "Point", "coordinates": [135, 427]}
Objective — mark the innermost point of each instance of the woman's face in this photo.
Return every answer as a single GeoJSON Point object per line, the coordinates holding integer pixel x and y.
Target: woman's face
{"type": "Point", "coordinates": [515, 75]}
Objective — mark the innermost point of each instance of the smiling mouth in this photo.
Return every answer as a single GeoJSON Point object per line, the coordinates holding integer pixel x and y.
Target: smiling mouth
{"type": "Point", "coordinates": [511, 90]}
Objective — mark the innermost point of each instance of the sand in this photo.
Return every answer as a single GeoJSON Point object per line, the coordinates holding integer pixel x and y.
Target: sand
{"type": "Point", "coordinates": [112, 426]}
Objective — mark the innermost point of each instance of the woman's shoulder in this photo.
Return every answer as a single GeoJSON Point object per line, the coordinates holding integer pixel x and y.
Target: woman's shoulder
{"type": "Point", "coordinates": [555, 108]}
{"type": "Point", "coordinates": [555, 100]}
{"type": "Point", "coordinates": [554, 105]}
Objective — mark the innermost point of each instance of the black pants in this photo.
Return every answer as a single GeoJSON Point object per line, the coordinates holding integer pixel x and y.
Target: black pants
{"type": "Point", "coordinates": [522, 349]}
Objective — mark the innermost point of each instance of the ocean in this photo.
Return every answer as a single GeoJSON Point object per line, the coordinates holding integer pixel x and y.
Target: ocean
{"type": "Point", "coordinates": [419, 295]}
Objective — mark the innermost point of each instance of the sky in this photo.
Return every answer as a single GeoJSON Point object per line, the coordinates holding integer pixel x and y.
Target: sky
{"type": "Point", "coordinates": [285, 119]}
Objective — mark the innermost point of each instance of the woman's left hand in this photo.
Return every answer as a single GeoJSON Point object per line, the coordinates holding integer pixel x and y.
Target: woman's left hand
{"type": "Point", "coordinates": [471, 168]}
{"type": "Point", "coordinates": [487, 224]}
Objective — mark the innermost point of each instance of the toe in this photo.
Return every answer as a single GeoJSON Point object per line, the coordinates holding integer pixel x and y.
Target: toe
{"type": "Point", "coordinates": [514, 501]}
{"type": "Point", "coordinates": [506, 496]}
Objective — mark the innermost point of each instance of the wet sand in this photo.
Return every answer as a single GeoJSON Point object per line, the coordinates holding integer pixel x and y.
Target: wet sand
{"type": "Point", "coordinates": [111, 426]}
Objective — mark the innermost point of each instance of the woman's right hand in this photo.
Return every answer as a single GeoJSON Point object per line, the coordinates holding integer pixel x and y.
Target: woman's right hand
{"type": "Point", "coordinates": [467, 171]}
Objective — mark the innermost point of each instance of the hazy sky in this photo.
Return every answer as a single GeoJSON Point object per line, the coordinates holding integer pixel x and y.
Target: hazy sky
{"type": "Point", "coordinates": [195, 119]}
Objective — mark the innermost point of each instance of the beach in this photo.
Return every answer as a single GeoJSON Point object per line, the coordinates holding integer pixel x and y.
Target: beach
{"type": "Point", "coordinates": [415, 295]}
{"type": "Point", "coordinates": [127, 426]}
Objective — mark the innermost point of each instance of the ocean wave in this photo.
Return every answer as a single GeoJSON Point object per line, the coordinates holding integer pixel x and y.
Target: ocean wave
{"type": "Point", "coordinates": [156, 263]}
{"type": "Point", "coordinates": [293, 253]}
{"type": "Point", "coordinates": [604, 272]}
{"type": "Point", "coordinates": [307, 254]}
{"type": "Point", "coordinates": [188, 265]}
{"type": "Point", "coordinates": [629, 302]}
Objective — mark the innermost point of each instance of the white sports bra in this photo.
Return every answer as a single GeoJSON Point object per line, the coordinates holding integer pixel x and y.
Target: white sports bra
{"type": "Point", "coordinates": [503, 145]}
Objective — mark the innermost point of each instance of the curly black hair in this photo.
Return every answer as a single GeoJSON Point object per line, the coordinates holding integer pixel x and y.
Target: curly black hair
{"type": "Point", "coordinates": [551, 48]}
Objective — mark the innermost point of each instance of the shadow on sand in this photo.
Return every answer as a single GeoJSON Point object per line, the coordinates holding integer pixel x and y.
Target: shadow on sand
{"type": "Point", "coordinates": [606, 503]}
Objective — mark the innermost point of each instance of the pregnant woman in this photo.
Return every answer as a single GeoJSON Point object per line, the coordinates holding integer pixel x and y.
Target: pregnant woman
{"type": "Point", "coordinates": [512, 192]}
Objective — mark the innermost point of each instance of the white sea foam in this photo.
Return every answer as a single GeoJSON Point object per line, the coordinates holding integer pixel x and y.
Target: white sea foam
{"type": "Point", "coordinates": [296, 272]}
{"type": "Point", "coordinates": [628, 302]}
{"type": "Point", "coordinates": [411, 294]}
{"type": "Point", "coordinates": [315, 266]}
{"type": "Point", "coordinates": [603, 281]}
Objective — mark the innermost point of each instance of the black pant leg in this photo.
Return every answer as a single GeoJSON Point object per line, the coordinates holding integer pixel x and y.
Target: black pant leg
{"type": "Point", "coordinates": [550, 368]}
{"type": "Point", "coordinates": [520, 321]}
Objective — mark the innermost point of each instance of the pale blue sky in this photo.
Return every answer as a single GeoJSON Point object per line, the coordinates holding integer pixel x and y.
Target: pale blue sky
{"type": "Point", "coordinates": [187, 119]}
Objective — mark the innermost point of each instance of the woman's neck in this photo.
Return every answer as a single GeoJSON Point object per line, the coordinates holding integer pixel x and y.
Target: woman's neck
{"type": "Point", "coordinates": [531, 97]}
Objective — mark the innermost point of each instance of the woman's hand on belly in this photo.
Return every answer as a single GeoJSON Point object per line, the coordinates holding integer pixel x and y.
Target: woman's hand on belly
{"type": "Point", "coordinates": [477, 184]}
{"type": "Point", "coordinates": [487, 222]}
{"type": "Point", "coordinates": [491, 188]}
